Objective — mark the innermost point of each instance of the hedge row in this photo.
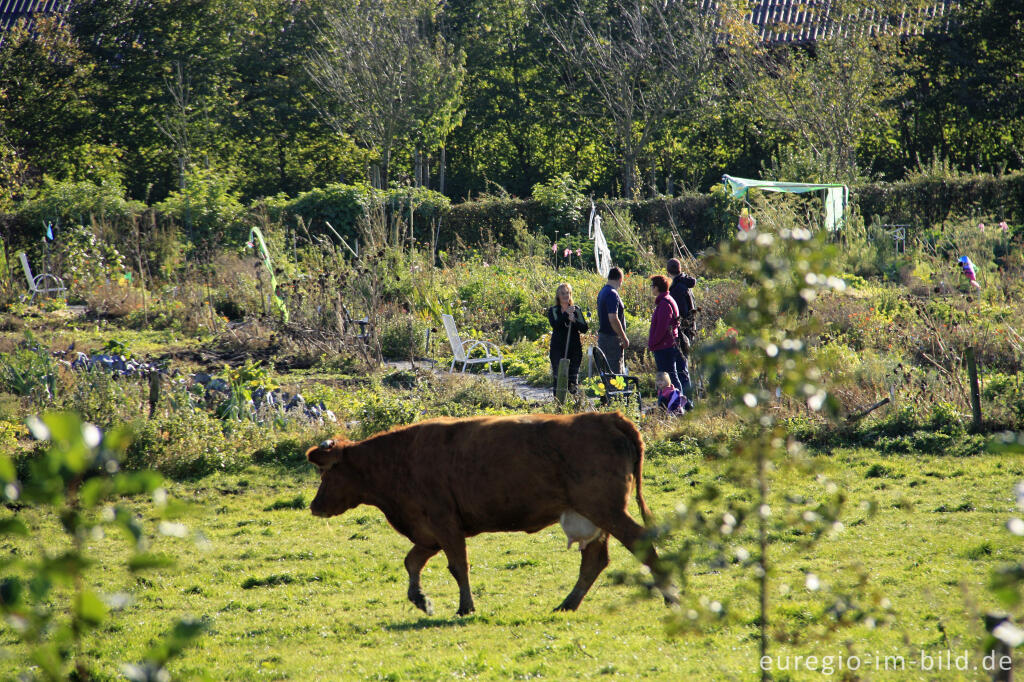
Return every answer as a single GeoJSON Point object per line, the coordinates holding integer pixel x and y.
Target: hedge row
{"type": "Point", "coordinates": [701, 219]}
{"type": "Point", "coordinates": [928, 201]}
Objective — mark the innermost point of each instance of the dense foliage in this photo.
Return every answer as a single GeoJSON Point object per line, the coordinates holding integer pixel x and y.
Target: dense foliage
{"type": "Point", "coordinates": [142, 93]}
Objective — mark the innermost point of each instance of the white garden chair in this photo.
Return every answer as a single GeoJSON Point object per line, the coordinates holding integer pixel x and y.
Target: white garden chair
{"type": "Point", "coordinates": [37, 284]}
{"type": "Point", "coordinates": [462, 348]}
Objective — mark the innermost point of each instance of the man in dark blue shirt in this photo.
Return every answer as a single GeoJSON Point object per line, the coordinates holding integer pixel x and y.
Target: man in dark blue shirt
{"type": "Point", "coordinates": [611, 332]}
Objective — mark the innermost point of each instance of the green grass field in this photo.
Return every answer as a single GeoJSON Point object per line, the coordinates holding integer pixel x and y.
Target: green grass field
{"type": "Point", "coordinates": [289, 596]}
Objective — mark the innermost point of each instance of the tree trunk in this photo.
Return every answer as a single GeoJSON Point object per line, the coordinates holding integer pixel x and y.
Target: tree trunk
{"type": "Point", "coordinates": [441, 172]}
{"type": "Point", "coordinates": [629, 175]}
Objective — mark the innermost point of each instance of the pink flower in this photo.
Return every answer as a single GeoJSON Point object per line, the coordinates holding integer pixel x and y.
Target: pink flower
{"type": "Point", "coordinates": [554, 248]}
{"type": "Point", "coordinates": [1004, 226]}
{"type": "Point", "coordinates": [567, 253]}
{"type": "Point", "coordinates": [981, 226]}
{"type": "Point", "coordinates": [580, 253]}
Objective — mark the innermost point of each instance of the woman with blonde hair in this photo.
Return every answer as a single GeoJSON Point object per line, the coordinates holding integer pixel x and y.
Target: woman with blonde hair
{"type": "Point", "coordinates": [567, 323]}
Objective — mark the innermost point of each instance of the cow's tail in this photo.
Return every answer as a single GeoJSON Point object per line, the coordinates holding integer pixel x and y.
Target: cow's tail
{"type": "Point", "coordinates": [629, 429]}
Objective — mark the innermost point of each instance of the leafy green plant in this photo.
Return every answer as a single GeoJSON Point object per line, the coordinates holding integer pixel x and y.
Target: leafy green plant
{"type": "Point", "coordinates": [116, 347]}
{"type": "Point", "coordinates": [242, 380]}
{"type": "Point", "coordinates": [562, 197]}
{"type": "Point", "coordinates": [208, 206]}
{"type": "Point", "coordinates": [381, 412]}
{"type": "Point", "coordinates": [47, 601]}
{"type": "Point", "coordinates": [525, 324]}
{"type": "Point", "coordinates": [402, 337]}
{"type": "Point", "coordinates": [29, 371]}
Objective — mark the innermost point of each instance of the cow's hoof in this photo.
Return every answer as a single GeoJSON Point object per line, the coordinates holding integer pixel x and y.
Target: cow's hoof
{"type": "Point", "coordinates": [465, 612]}
{"type": "Point", "coordinates": [565, 606]}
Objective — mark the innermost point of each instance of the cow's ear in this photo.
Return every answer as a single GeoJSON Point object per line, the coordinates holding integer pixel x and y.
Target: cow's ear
{"type": "Point", "coordinates": [327, 453]}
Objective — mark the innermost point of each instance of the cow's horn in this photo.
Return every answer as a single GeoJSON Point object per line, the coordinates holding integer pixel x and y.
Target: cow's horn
{"type": "Point", "coordinates": [327, 445]}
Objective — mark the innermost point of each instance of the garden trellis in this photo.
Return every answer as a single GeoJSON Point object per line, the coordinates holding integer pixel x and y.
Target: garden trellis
{"type": "Point", "coordinates": [836, 197]}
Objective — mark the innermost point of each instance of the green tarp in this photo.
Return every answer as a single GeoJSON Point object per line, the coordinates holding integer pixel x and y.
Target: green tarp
{"type": "Point", "coordinates": [836, 196]}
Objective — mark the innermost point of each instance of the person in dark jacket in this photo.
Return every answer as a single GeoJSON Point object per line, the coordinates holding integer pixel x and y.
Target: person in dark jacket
{"type": "Point", "coordinates": [681, 291]}
{"type": "Point", "coordinates": [661, 339]}
{"type": "Point", "coordinates": [567, 323]}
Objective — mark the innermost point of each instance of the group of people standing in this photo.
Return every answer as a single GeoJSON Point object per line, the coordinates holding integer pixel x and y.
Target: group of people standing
{"type": "Point", "coordinates": [671, 332]}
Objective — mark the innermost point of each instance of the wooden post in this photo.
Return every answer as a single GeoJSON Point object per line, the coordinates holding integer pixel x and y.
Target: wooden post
{"type": "Point", "coordinates": [154, 391]}
{"type": "Point", "coordinates": [972, 370]}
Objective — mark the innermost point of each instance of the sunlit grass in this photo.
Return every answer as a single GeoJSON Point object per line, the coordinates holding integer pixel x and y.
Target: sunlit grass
{"type": "Point", "coordinates": [294, 597]}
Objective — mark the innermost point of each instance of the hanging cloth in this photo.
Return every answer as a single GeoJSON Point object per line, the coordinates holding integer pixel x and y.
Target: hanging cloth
{"type": "Point", "coordinates": [602, 256]}
{"type": "Point", "coordinates": [835, 196]}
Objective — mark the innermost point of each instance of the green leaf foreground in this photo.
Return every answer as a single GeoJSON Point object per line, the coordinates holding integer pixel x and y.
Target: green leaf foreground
{"type": "Point", "coordinates": [77, 480]}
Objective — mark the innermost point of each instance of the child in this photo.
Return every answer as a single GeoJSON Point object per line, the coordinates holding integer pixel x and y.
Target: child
{"type": "Point", "coordinates": [669, 398]}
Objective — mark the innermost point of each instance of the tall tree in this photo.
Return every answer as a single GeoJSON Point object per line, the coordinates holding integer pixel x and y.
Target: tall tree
{"type": "Point", "coordinates": [967, 98]}
{"type": "Point", "coordinates": [47, 119]}
{"type": "Point", "coordinates": [638, 63]}
{"type": "Point", "coordinates": [833, 99]}
{"type": "Point", "coordinates": [280, 143]}
{"type": "Point", "coordinates": [140, 47]}
{"type": "Point", "coordinates": [391, 78]}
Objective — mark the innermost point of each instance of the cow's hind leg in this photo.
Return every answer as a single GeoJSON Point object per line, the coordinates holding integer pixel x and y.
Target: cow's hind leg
{"type": "Point", "coordinates": [458, 566]}
{"type": "Point", "coordinates": [417, 557]}
{"type": "Point", "coordinates": [631, 534]}
{"type": "Point", "coordinates": [593, 560]}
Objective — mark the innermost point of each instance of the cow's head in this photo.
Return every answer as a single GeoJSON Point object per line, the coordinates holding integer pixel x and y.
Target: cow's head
{"type": "Point", "coordinates": [338, 491]}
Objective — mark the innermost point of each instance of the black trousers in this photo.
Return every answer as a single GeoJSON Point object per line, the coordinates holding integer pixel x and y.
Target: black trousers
{"type": "Point", "coordinates": [574, 372]}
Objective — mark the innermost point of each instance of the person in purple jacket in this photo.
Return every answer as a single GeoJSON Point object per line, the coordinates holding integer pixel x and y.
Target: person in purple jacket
{"type": "Point", "coordinates": [662, 339]}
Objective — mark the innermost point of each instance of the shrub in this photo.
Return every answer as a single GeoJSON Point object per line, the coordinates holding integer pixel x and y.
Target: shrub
{"type": "Point", "coordinates": [340, 205]}
{"type": "Point", "coordinates": [402, 337]}
{"type": "Point", "coordinates": [946, 419]}
{"type": "Point", "coordinates": [525, 325]}
{"type": "Point", "coordinates": [343, 205]}
{"type": "Point", "coordinates": [382, 412]}
{"type": "Point", "coordinates": [208, 206]}
{"type": "Point", "coordinates": [562, 197]}
{"type": "Point", "coordinates": [75, 203]}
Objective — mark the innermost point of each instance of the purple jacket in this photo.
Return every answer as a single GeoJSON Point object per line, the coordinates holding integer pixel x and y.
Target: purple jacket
{"type": "Point", "coordinates": [663, 323]}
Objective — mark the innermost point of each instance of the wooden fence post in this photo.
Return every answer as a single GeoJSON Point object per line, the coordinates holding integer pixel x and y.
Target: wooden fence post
{"type": "Point", "coordinates": [972, 370]}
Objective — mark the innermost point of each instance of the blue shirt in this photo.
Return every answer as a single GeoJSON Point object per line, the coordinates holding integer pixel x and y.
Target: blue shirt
{"type": "Point", "coordinates": [609, 303]}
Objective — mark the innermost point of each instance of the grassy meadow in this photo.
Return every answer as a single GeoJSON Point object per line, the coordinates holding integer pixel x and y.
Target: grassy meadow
{"type": "Point", "coordinates": [293, 597]}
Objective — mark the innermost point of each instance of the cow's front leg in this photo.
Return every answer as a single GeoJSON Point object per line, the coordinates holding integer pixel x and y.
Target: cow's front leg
{"type": "Point", "coordinates": [415, 560]}
{"type": "Point", "coordinates": [458, 566]}
{"type": "Point", "coordinates": [593, 560]}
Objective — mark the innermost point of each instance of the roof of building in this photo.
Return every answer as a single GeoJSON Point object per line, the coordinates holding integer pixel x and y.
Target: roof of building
{"type": "Point", "coordinates": [12, 11]}
{"type": "Point", "coordinates": [808, 21]}
{"type": "Point", "coordinates": [776, 21]}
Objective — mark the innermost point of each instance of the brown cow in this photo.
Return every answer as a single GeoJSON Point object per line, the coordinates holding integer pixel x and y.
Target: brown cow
{"type": "Point", "coordinates": [443, 480]}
